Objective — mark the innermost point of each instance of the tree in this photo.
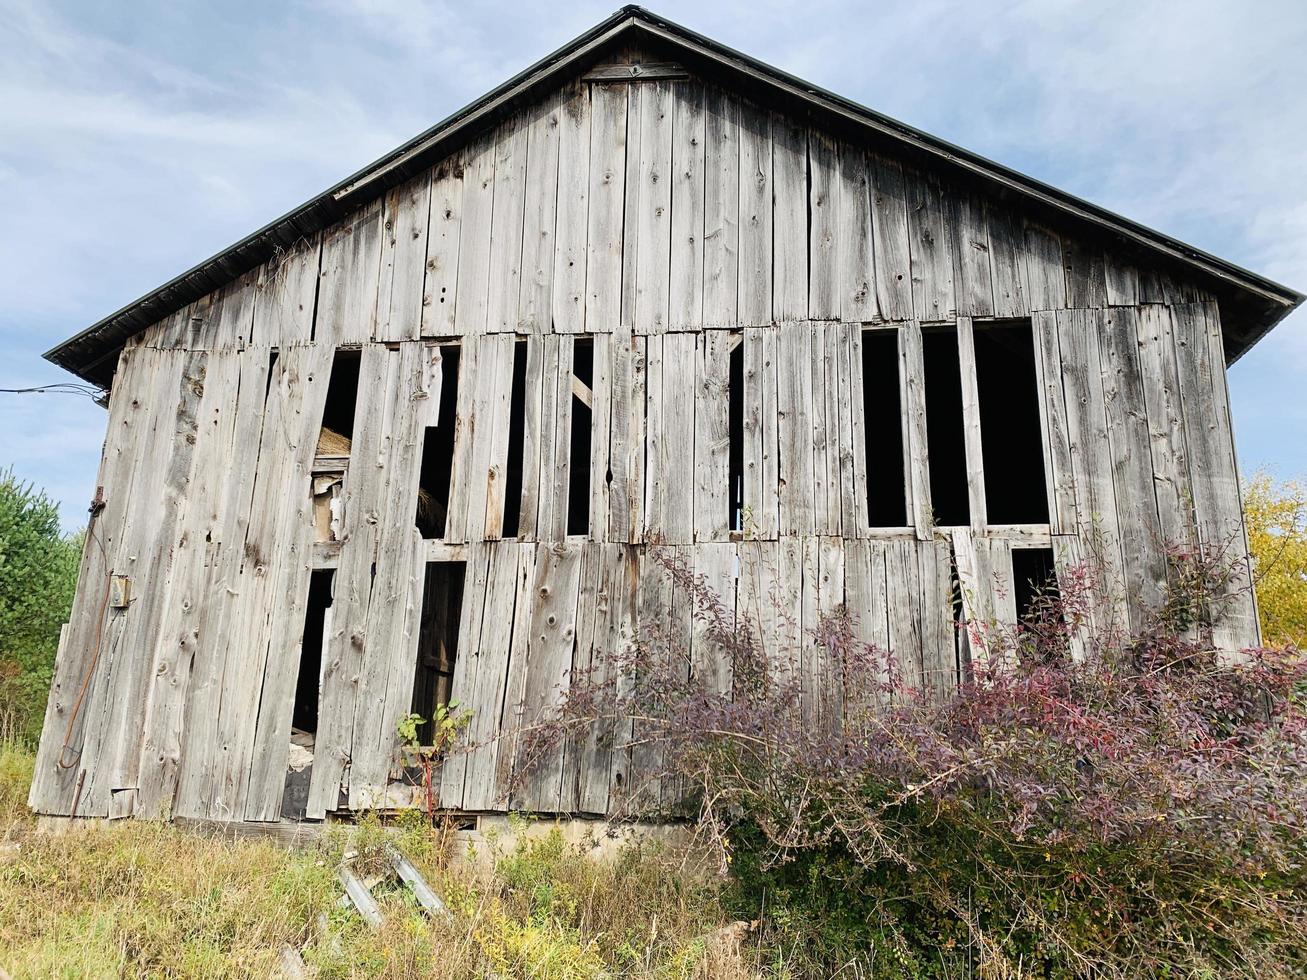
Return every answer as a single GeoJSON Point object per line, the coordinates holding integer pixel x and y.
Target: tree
{"type": "Point", "coordinates": [38, 573]}
{"type": "Point", "coordinates": [1277, 536]}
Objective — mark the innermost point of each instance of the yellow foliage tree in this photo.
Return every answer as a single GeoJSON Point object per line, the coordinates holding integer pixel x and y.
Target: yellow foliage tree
{"type": "Point", "coordinates": [1277, 536]}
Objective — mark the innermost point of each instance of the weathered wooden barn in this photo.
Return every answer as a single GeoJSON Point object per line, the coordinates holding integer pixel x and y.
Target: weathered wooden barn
{"type": "Point", "coordinates": [414, 439]}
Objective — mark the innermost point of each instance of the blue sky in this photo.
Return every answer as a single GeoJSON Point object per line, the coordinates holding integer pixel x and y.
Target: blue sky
{"type": "Point", "coordinates": [137, 138]}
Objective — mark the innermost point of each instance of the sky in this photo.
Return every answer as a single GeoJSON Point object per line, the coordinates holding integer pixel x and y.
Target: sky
{"type": "Point", "coordinates": [137, 138]}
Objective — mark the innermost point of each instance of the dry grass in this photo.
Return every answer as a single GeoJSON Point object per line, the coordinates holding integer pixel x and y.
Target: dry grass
{"type": "Point", "coordinates": [140, 899]}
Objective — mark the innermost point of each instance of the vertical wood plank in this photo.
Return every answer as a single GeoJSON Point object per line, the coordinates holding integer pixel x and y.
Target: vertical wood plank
{"type": "Point", "coordinates": [825, 287]}
{"type": "Point", "coordinates": [856, 268]}
{"type": "Point", "coordinates": [1059, 473]}
{"type": "Point", "coordinates": [406, 216]}
{"type": "Point", "coordinates": [761, 448]}
{"type": "Point", "coordinates": [546, 184]}
{"type": "Point", "coordinates": [287, 298]}
{"type": "Point", "coordinates": [1166, 434]}
{"type": "Point", "coordinates": [931, 263]}
{"type": "Point", "coordinates": [573, 214]}
{"type": "Point", "coordinates": [971, 424]}
{"type": "Point", "coordinates": [889, 220]}
{"type": "Point", "coordinates": [440, 286]}
{"type": "Point", "coordinates": [349, 277]}
{"type": "Point", "coordinates": [687, 207]}
{"type": "Point", "coordinates": [1006, 260]}
{"type": "Point", "coordinates": [712, 438]}
{"type": "Point", "coordinates": [472, 310]}
{"type": "Point", "coordinates": [627, 434]}
{"type": "Point", "coordinates": [647, 259]}
{"type": "Point", "coordinates": [789, 219]}
{"type": "Point", "coordinates": [1045, 280]}
{"type": "Point", "coordinates": [754, 299]}
{"type": "Point", "coordinates": [1132, 470]}
{"type": "Point", "coordinates": [912, 384]}
{"type": "Point", "coordinates": [506, 216]}
{"type": "Point", "coordinates": [721, 226]}
{"type": "Point", "coordinates": [972, 275]}
{"type": "Point", "coordinates": [795, 426]}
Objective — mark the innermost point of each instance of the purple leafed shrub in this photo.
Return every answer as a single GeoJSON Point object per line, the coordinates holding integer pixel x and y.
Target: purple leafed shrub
{"type": "Point", "coordinates": [1083, 803]}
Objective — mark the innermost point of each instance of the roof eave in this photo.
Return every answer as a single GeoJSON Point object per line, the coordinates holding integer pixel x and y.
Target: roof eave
{"type": "Point", "coordinates": [1272, 300]}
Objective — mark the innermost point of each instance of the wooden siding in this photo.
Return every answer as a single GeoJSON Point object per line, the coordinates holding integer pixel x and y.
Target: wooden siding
{"type": "Point", "coordinates": [662, 222]}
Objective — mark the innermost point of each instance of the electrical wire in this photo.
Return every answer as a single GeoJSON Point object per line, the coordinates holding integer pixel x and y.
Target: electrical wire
{"type": "Point", "coordinates": [59, 388]}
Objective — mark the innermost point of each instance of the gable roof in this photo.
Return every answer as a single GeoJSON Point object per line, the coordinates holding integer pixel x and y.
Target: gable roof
{"type": "Point", "coordinates": [1251, 304]}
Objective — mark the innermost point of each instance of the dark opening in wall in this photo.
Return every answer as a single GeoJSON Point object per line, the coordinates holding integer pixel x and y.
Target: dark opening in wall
{"type": "Point", "coordinates": [516, 438]}
{"type": "Point", "coordinates": [735, 425]}
{"type": "Point", "coordinates": [442, 605]}
{"type": "Point", "coordinates": [317, 627]}
{"type": "Point", "coordinates": [882, 409]}
{"type": "Point", "coordinates": [1034, 585]}
{"type": "Point", "coordinates": [578, 490]}
{"type": "Point", "coordinates": [944, 427]}
{"type": "Point", "coordinates": [338, 411]}
{"type": "Point", "coordinates": [438, 451]}
{"type": "Point", "coordinates": [1011, 439]}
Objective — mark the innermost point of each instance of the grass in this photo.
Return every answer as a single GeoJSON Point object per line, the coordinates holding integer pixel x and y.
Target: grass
{"type": "Point", "coordinates": [151, 900]}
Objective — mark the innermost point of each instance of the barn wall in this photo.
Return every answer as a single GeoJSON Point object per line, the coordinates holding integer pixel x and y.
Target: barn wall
{"type": "Point", "coordinates": [664, 223]}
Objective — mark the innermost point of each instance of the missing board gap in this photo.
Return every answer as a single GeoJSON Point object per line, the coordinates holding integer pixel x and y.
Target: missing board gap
{"type": "Point", "coordinates": [438, 634]}
{"type": "Point", "coordinates": [437, 467]}
{"type": "Point", "coordinates": [1038, 604]}
{"type": "Point", "coordinates": [513, 479]}
{"type": "Point", "coordinates": [882, 410]}
{"type": "Point", "coordinates": [337, 432]}
{"type": "Point", "coordinates": [578, 489]}
{"type": "Point", "coordinates": [735, 431]}
{"type": "Point", "coordinates": [945, 434]}
{"type": "Point", "coordinates": [1012, 443]}
{"type": "Point", "coordinates": [317, 631]}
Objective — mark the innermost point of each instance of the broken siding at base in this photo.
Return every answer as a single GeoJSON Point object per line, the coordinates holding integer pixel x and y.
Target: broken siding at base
{"type": "Point", "coordinates": [493, 370]}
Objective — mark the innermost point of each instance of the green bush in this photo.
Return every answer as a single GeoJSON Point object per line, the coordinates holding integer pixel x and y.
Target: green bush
{"type": "Point", "coordinates": [38, 573]}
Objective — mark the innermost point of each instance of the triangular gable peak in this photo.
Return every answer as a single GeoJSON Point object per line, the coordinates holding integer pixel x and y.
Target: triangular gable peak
{"type": "Point", "coordinates": [643, 152]}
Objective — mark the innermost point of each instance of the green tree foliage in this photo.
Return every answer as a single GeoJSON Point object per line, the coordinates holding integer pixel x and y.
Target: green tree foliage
{"type": "Point", "coordinates": [1277, 536]}
{"type": "Point", "coordinates": [38, 572]}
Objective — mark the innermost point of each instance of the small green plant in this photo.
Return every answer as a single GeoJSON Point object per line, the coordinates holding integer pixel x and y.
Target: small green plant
{"type": "Point", "coordinates": [442, 728]}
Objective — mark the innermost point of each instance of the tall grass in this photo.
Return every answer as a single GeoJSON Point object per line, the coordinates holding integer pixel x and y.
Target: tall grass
{"type": "Point", "coordinates": [151, 900]}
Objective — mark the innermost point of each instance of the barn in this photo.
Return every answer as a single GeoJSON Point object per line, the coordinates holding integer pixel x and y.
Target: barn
{"type": "Point", "coordinates": [415, 440]}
